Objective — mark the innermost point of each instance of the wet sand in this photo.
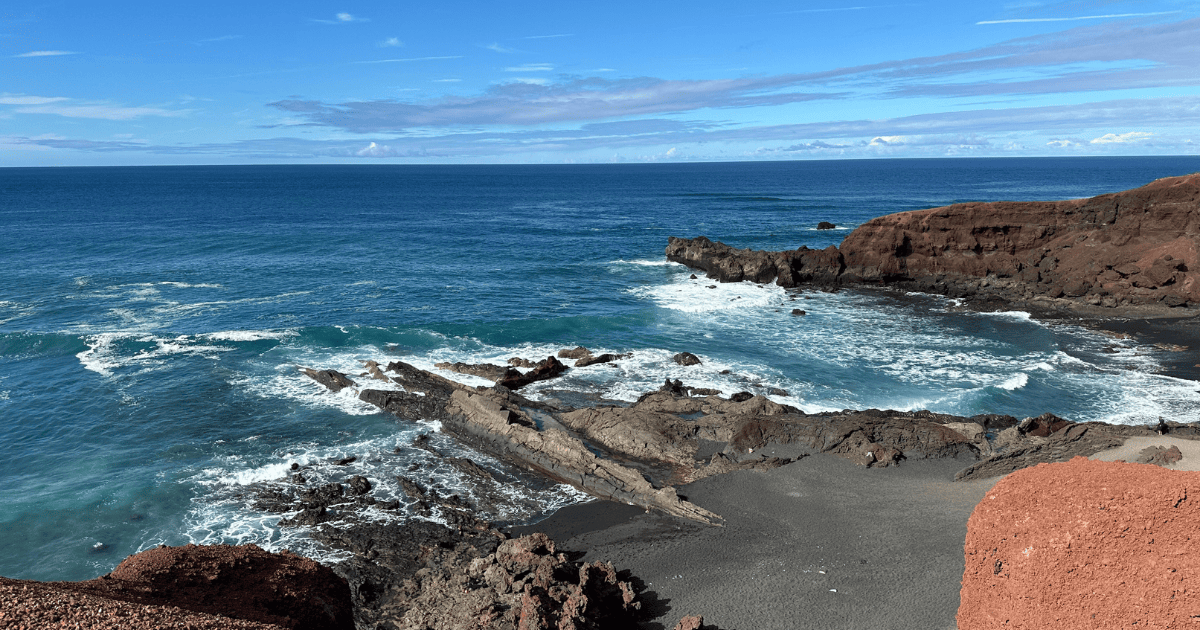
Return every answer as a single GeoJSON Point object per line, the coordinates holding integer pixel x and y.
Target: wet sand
{"type": "Point", "coordinates": [819, 543]}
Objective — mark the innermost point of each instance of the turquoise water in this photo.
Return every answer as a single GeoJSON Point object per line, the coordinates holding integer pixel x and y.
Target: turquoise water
{"type": "Point", "coordinates": [151, 320]}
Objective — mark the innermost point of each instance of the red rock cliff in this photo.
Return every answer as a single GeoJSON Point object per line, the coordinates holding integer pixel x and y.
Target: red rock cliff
{"type": "Point", "coordinates": [1136, 246]}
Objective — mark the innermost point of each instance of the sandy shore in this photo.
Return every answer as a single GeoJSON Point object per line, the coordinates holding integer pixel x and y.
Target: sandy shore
{"type": "Point", "coordinates": [819, 543]}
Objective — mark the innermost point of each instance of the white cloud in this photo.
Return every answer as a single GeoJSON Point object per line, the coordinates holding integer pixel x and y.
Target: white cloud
{"type": "Point", "coordinates": [1112, 138]}
{"type": "Point", "coordinates": [1063, 143]}
{"type": "Point", "coordinates": [100, 111]}
{"type": "Point", "coordinates": [498, 48]}
{"type": "Point", "coordinates": [447, 80]}
{"type": "Point", "coordinates": [1072, 19]}
{"type": "Point", "coordinates": [391, 42]}
{"type": "Point", "coordinates": [886, 141]}
{"type": "Point", "coordinates": [374, 150]}
{"type": "Point", "coordinates": [17, 99]}
{"type": "Point", "coordinates": [46, 53]}
{"type": "Point", "coordinates": [531, 67]}
{"type": "Point", "coordinates": [341, 18]}
{"type": "Point", "coordinates": [530, 81]}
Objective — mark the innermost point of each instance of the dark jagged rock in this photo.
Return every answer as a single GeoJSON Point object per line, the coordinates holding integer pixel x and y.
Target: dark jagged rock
{"type": "Point", "coordinates": [423, 575]}
{"type": "Point", "coordinates": [871, 438]}
{"type": "Point", "coordinates": [1015, 450]}
{"type": "Point", "coordinates": [521, 363]}
{"type": "Point", "coordinates": [332, 379]}
{"type": "Point", "coordinates": [686, 358]}
{"type": "Point", "coordinates": [603, 358]}
{"type": "Point", "coordinates": [358, 485]}
{"type": "Point", "coordinates": [741, 397]}
{"type": "Point", "coordinates": [1159, 455]}
{"type": "Point", "coordinates": [825, 225]}
{"type": "Point", "coordinates": [1134, 248]}
{"type": "Point", "coordinates": [545, 370]}
{"type": "Point", "coordinates": [482, 370]}
{"type": "Point", "coordinates": [578, 352]}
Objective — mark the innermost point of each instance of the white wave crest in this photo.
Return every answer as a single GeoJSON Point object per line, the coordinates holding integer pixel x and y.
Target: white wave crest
{"type": "Point", "coordinates": [1015, 382]}
{"type": "Point", "coordinates": [249, 335]}
{"type": "Point", "coordinates": [704, 296]}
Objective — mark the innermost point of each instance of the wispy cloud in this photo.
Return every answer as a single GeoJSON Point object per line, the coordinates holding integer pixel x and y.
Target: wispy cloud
{"type": "Point", "coordinates": [1103, 57]}
{"type": "Point", "coordinates": [1110, 16]}
{"type": "Point", "coordinates": [62, 106]}
{"type": "Point", "coordinates": [1118, 138]}
{"type": "Point", "coordinates": [20, 99]}
{"type": "Point", "coordinates": [965, 132]}
{"type": "Point", "coordinates": [529, 103]}
{"type": "Point", "coordinates": [223, 38]}
{"type": "Point", "coordinates": [46, 53]}
{"type": "Point", "coordinates": [341, 18]}
{"type": "Point", "coordinates": [500, 49]}
{"type": "Point", "coordinates": [531, 67]}
{"type": "Point", "coordinates": [405, 60]}
{"type": "Point", "coordinates": [391, 42]}
{"type": "Point", "coordinates": [447, 80]}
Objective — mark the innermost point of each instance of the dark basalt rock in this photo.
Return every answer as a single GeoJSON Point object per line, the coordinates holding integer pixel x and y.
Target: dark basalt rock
{"type": "Point", "coordinates": [825, 225]}
{"type": "Point", "coordinates": [332, 379]}
{"type": "Point", "coordinates": [482, 370]}
{"type": "Point", "coordinates": [578, 352]}
{"type": "Point", "coordinates": [686, 358]}
{"type": "Point", "coordinates": [593, 360]}
{"type": "Point", "coordinates": [545, 370]}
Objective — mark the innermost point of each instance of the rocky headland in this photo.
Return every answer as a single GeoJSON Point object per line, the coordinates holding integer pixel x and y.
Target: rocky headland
{"type": "Point", "coordinates": [1125, 253]}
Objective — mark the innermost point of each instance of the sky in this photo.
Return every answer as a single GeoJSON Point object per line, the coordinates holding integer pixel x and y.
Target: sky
{"type": "Point", "coordinates": [345, 81]}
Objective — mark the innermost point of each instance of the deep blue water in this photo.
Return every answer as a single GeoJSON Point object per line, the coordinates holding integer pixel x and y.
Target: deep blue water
{"type": "Point", "coordinates": [151, 320]}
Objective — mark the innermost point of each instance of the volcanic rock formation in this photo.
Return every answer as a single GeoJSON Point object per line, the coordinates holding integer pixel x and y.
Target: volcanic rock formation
{"type": "Point", "coordinates": [208, 586]}
{"type": "Point", "coordinates": [1131, 248]}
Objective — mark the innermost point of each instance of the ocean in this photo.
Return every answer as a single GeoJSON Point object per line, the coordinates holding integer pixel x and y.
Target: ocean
{"type": "Point", "coordinates": [152, 320]}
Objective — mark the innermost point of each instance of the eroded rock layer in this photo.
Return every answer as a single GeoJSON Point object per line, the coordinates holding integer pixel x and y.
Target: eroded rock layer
{"type": "Point", "coordinates": [1084, 544]}
{"type": "Point", "coordinates": [1131, 248]}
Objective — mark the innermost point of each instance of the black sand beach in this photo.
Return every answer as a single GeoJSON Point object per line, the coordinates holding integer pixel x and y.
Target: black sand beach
{"type": "Point", "coordinates": [819, 543]}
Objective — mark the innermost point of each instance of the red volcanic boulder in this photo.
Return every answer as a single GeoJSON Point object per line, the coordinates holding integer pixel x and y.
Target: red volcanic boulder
{"type": "Point", "coordinates": [1138, 246]}
{"type": "Point", "coordinates": [1084, 544]}
{"type": "Point", "coordinates": [242, 582]}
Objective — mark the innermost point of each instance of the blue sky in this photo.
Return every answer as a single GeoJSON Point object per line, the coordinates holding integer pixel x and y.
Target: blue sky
{"type": "Point", "coordinates": [547, 82]}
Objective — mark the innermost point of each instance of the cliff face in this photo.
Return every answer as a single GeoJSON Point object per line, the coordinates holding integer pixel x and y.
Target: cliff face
{"type": "Point", "coordinates": [1135, 247]}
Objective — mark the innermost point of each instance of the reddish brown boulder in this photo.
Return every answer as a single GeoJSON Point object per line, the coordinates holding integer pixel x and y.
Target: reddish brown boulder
{"type": "Point", "coordinates": [232, 582]}
{"type": "Point", "coordinates": [1084, 544]}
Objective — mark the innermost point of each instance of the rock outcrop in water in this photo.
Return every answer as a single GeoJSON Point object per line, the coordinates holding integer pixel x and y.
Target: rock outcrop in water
{"type": "Point", "coordinates": [1084, 544]}
{"type": "Point", "coordinates": [1134, 248]}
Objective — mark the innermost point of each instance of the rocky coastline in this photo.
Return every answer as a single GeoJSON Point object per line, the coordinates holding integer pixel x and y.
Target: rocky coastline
{"type": "Point", "coordinates": [1129, 254]}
